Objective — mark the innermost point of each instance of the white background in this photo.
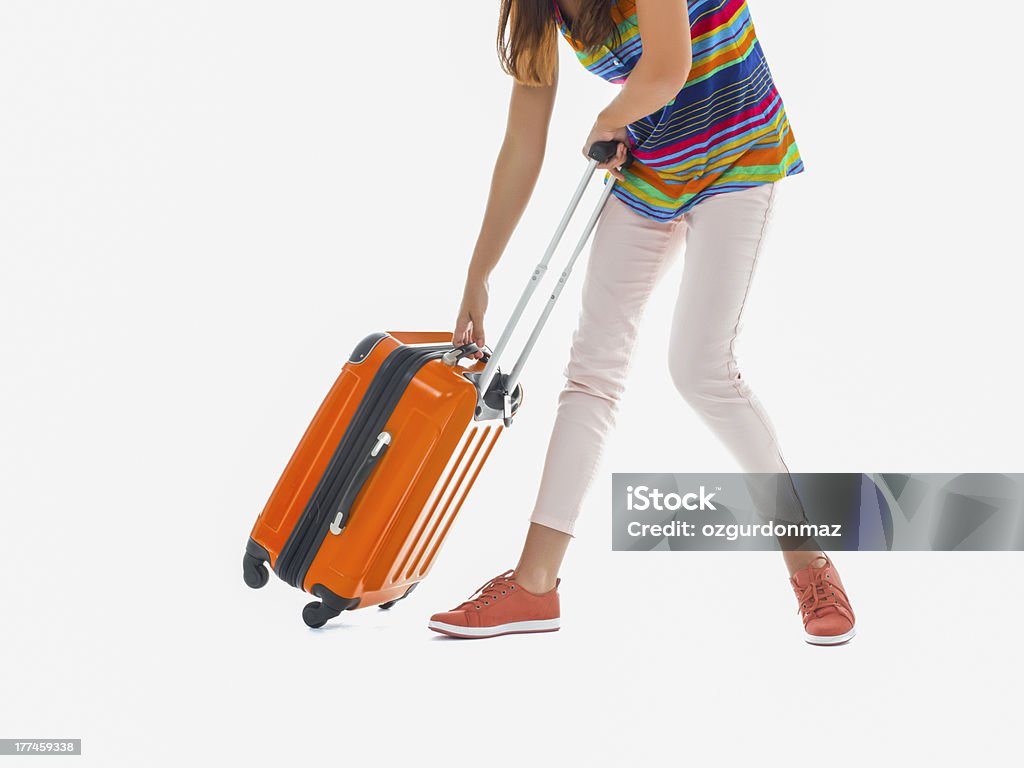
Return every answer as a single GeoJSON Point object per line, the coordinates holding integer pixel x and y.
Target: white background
{"type": "Point", "coordinates": [204, 205]}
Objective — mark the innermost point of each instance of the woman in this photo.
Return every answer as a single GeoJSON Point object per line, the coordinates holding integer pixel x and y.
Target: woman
{"type": "Point", "coordinates": [710, 137]}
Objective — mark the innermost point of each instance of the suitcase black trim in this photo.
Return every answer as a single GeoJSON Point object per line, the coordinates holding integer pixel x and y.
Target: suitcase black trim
{"type": "Point", "coordinates": [365, 347]}
{"type": "Point", "coordinates": [372, 414]}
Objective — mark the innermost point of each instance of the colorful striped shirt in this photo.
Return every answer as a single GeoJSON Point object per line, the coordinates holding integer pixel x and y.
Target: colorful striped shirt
{"type": "Point", "coordinates": [725, 130]}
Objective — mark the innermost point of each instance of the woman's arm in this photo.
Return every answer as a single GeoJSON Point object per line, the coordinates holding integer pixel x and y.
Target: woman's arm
{"type": "Point", "coordinates": [659, 75]}
{"type": "Point", "coordinates": [515, 175]}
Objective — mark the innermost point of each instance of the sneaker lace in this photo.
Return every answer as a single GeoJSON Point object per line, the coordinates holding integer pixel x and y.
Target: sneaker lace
{"type": "Point", "coordinates": [490, 591]}
{"type": "Point", "coordinates": [820, 592]}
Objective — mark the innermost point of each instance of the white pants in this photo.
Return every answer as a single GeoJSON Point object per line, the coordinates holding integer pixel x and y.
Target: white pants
{"type": "Point", "coordinates": [629, 254]}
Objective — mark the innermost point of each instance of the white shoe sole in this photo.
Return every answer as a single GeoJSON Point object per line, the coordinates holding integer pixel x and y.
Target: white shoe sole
{"type": "Point", "coordinates": [512, 628]}
{"type": "Point", "coordinates": [829, 639]}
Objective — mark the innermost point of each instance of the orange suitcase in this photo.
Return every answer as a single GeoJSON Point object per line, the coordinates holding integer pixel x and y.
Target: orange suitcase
{"type": "Point", "coordinates": [365, 502]}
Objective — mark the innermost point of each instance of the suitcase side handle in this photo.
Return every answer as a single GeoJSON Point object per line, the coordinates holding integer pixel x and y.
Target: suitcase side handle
{"type": "Point", "coordinates": [452, 357]}
{"type": "Point", "coordinates": [599, 152]}
{"type": "Point", "coordinates": [344, 508]}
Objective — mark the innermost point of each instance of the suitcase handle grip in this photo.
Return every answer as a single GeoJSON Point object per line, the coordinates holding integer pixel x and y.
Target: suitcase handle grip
{"type": "Point", "coordinates": [453, 356]}
{"type": "Point", "coordinates": [344, 510]}
{"type": "Point", "coordinates": [600, 151]}
{"type": "Point", "coordinates": [603, 151]}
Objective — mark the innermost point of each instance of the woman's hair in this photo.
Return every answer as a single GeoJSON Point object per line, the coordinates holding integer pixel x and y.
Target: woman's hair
{"type": "Point", "coordinates": [528, 36]}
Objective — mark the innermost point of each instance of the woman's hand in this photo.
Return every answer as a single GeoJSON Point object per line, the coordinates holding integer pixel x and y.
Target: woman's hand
{"type": "Point", "coordinates": [469, 327]}
{"type": "Point", "coordinates": [601, 133]}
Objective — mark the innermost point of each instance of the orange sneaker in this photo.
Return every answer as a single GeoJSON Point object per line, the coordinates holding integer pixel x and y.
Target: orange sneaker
{"type": "Point", "coordinates": [500, 607]}
{"type": "Point", "coordinates": [828, 616]}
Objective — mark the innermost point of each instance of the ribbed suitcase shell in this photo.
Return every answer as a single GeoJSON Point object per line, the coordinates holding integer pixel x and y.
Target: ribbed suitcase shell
{"type": "Point", "coordinates": [406, 506]}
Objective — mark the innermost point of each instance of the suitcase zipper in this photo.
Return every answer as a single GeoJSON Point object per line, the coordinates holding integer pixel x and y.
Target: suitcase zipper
{"type": "Point", "coordinates": [372, 414]}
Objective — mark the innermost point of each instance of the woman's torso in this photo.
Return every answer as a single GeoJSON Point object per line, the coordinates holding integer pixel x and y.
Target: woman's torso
{"type": "Point", "coordinates": [727, 129]}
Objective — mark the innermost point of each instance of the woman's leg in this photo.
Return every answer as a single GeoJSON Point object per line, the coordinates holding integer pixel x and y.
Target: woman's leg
{"type": "Point", "coordinates": [723, 244]}
{"type": "Point", "coordinates": [629, 255]}
{"type": "Point", "coordinates": [726, 233]}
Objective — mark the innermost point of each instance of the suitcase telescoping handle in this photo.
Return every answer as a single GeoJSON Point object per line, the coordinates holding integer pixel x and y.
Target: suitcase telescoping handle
{"type": "Point", "coordinates": [599, 152]}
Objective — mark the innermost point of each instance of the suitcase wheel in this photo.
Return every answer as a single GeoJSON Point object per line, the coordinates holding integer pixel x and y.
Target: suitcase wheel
{"type": "Point", "coordinates": [254, 572]}
{"type": "Point", "coordinates": [316, 614]}
{"type": "Point", "coordinates": [390, 603]}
